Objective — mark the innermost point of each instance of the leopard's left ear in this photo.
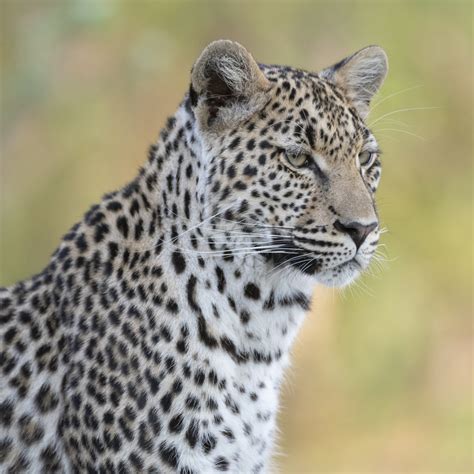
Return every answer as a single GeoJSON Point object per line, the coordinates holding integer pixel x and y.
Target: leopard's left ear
{"type": "Point", "coordinates": [227, 85]}
{"type": "Point", "coordinates": [360, 76]}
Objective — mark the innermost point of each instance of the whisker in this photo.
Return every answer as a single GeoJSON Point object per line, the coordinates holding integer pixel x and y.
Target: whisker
{"type": "Point", "coordinates": [383, 99]}
{"type": "Point", "coordinates": [401, 131]}
{"type": "Point", "coordinates": [287, 263]}
{"type": "Point", "coordinates": [207, 219]}
{"type": "Point", "coordinates": [388, 114]}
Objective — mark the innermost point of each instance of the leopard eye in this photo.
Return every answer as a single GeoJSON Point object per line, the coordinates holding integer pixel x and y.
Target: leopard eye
{"type": "Point", "coordinates": [297, 160]}
{"type": "Point", "coordinates": [367, 158]}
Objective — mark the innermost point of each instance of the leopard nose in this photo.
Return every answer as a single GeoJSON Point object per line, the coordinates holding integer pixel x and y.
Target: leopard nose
{"type": "Point", "coordinates": [357, 232]}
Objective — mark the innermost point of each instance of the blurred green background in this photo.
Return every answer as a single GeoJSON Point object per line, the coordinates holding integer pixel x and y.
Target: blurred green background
{"type": "Point", "coordinates": [382, 372]}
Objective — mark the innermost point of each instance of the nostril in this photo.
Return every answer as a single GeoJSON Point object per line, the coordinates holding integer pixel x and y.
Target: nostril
{"type": "Point", "coordinates": [358, 232]}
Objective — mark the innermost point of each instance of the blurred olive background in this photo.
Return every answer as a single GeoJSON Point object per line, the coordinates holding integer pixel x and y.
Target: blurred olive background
{"type": "Point", "coordinates": [382, 372]}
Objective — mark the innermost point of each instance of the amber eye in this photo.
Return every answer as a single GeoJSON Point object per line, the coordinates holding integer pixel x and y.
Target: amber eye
{"type": "Point", "coordinates": [298, 160]}
{"type": "Point", "coordinates": [366, 158]}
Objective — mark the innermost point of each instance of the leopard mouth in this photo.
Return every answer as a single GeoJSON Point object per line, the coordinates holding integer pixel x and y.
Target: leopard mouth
{"type": "Point", "coordinates": [293, 256]}
{"type": "Point", "coordinates": [301, 261]}
{"type": "Point", "coordinates": [309, 262]}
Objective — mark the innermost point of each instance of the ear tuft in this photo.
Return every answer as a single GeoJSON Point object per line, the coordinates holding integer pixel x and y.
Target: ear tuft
{"type": "Point", "coordinates": [360, 75]}
{"type": "Point", "coordinates": [226, 74]}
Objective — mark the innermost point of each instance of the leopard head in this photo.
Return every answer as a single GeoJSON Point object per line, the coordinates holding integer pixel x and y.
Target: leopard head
{"type": "Point", "coordinates": [289, 159]}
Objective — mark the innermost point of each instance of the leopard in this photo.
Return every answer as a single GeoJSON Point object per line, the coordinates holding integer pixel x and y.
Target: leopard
{"type": "Point", "coordinates": [157, 337]}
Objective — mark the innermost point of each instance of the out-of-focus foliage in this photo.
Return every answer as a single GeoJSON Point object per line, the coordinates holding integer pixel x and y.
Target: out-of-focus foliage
{"type": "Point", "coordinates": [382, 372]}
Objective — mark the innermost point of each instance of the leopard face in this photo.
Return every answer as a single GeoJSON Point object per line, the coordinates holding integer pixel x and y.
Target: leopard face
{"type": "Point", "coordinates": [290, 162]}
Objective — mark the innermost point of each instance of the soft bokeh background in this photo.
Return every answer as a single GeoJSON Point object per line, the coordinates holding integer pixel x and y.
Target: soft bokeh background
{"type": "Point", "coordinates": [382, 372]}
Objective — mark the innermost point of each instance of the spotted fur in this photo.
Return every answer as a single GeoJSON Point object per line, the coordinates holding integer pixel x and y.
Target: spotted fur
{"type": "Point", "coordinates": [156, 338]}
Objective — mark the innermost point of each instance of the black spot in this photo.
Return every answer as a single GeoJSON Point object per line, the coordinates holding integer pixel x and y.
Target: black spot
{"type": "Point", "coordinates": [227, 432]}
{"type": "Point", "coordinates": [10, 335]}
{"type": "Point", "coordinates": [176, 424]}
{"type": "Point", "coordinates": [170, 364]}
{"type": "Point", "coordinates": [153, 382]}
{"type": "Point", "coordinates": [221, 463]}
{"type": "Point", "coordinates": [250, 170]}
{"type": "Point", "coordinates": [269, 304]}
{"type": "Point", "coordinates": [252, 291]}
{"type": "Point", "coordinates": [50, 458]}
{"type": "Point", "coordinates": [81, 243]}
{"type": "Point", "coordinates": [192, 433]}
{"type": "Point", "coordinates": [192, 403]}
{"type": "Point", "coordinates": [177, 386]}
{"type": "Point", "coordinates": [114, 206]}
{"type": "Point", "coordinates": [244, 316]}
{"type": "Point", "coordinates": [190, 290]}
{"type": "Point", "coordinates": [169, 454]}
{"type": "Point", "coordinates": [113, 250]}
{"type": "Point", "coordinates": [199, 377]}
{"type": "Point", "coordinates": [234, 143]}
{"type": "Point", "coordinates": [231, 172]}
{"type": "Point", "coordinates": [122, 225]}
{"type": "Point", "coordinates": [6, 413]}
{"type": "Point", "coordinates": [154, 421]}
{"type": "Point", "coordinates": [187, 201]}
{"type": "Point", "coordinates": [297, 298]}
{"type": "Point", "coordinates": [209, 443]}
{"type": "Point", "coordinates": [166, 402]}
{"type": "Point", "coordinates": [309, 132]}
{"type": "Point", "coordinates": [46, 400]}
{"type": "Point", "coordinates": [212, 404]}
{"type": "Point", "coordinates": [165, 333]}
{"type": "Point", "coordinates": [108, 417]}
{"type": "Point", "coordinates": [178, 261]}
{"type": "Point", "coordinates": [240, 185]}
{"type": "Point", "coordinates": [238, 356]}
{"type": "Point", "coordinates": [181, 346]}
{"type": "Point", "coordinates": [136, 461]}
{"type": "Point", "coordinates": [204, 334]}
{"type": "Point", "coordinates": [101, 230]}
{"type": "Point", "coordinates": [172, 306]}
{"type": "Point", "coordinates": [6, 445]}
{"type": "Point", "coordinates": [221, 282]}
{"type": "Point", "coordinates": [251, 144]}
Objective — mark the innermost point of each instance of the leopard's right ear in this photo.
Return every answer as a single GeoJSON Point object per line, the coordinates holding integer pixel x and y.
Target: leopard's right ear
{"type": "Point", "coordinates": [227, 86]}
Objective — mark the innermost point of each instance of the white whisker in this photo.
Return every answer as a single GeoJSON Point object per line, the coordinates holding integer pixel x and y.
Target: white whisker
{"type": "Point", "coordinates": [383, 99]}
{"type": "Point", "coordinates": [401, 131]}
{"type": "Point", "coordinates": [409, 109]}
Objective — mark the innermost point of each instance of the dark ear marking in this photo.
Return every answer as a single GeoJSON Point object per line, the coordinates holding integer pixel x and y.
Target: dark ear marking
{"type": "Point", "coordinates": [193, 97]}
{"type": "Point", "coordinates": [224, 75]}
{"type": "Point", "coordinates": [217, 85]}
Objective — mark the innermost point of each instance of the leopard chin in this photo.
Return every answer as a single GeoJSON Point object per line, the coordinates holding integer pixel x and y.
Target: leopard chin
{"type": "Point", "coordinates": [341, 275]}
